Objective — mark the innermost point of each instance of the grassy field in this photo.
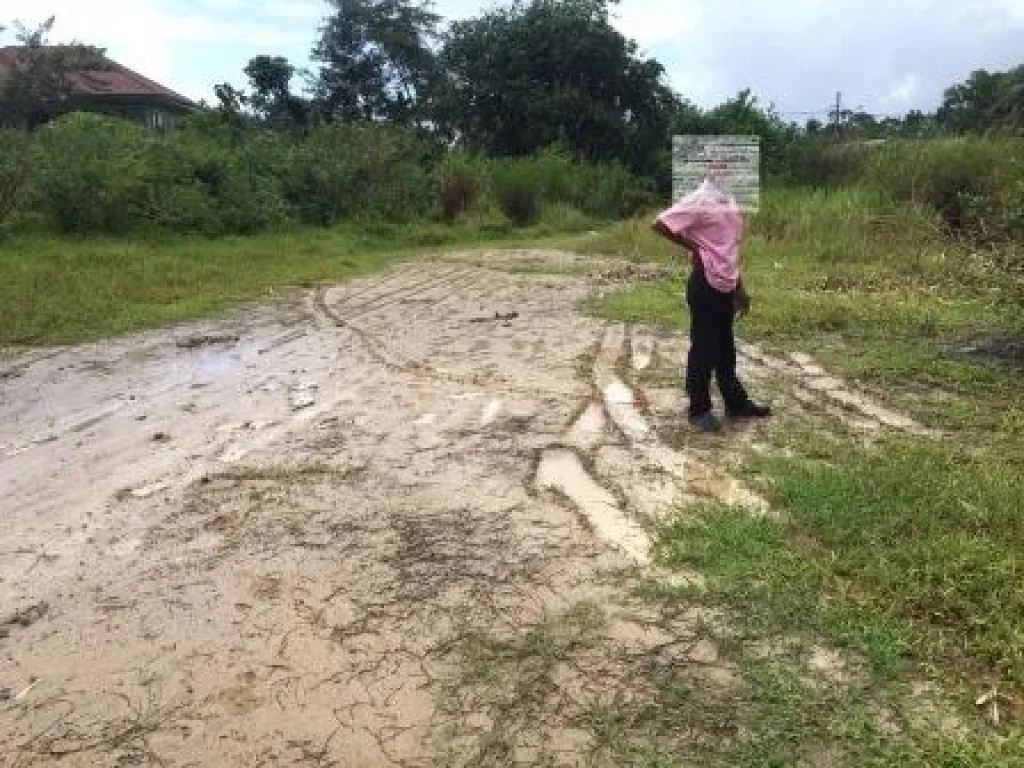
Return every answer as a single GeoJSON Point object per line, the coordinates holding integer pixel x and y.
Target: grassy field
{"type": "Point", "coordinates": [61, 290]}
{"type": "Point", "coordinates": [904, 554]}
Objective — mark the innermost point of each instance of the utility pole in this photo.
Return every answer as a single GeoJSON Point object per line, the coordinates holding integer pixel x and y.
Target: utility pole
{"type": "Point", "coordinates": [838, 115]}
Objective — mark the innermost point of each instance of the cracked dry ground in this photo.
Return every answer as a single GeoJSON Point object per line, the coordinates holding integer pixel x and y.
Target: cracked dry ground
{"type": "Point", "coordinates": [398, 522]}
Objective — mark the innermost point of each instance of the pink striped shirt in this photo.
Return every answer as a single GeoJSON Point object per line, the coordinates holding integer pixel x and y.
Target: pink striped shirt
{"type": "Point", "coordinates": [711, 220]}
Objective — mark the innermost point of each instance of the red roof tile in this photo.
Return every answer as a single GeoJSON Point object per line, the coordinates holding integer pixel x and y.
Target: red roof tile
{"type": "Point", "coordinates": [113, 80]}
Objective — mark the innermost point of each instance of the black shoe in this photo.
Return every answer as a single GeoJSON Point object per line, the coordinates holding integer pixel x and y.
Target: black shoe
{"type": "Point", "coordinates": [750, 410]}
{"type": "Point", "coordinates": [707, 422]}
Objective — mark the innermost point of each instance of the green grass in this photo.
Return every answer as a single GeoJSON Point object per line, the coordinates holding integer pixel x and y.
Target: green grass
{"type": "Point", "coordinates": [907, 555]}
{"type": "Point", "coordinates": [904, 551]}
{"type": "Point", "coordinates": [657, 304]}
{"type": "Point", "coordinates": [60, 290]}
{"type": "Point", "coordinates": [874, 290]}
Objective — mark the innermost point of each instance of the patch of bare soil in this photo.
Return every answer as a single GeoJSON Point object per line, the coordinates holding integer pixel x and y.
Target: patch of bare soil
{"type": "Point", "coordinates": [1006, 350]}
{"type": "Point", "coordinates": [369, 529]}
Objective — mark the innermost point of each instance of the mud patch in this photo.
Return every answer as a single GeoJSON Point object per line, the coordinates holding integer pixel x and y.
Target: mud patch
{"type": "Point", "coordinates": [385, 581]}
{"type": "Point", "coordinates": [1003, 350]}
{"type": "Point", "coordinates": [207, 340]}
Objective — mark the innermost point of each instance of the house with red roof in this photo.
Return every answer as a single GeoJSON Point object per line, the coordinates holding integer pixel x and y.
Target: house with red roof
{"type": "Point", "coordinates": [112, 89]}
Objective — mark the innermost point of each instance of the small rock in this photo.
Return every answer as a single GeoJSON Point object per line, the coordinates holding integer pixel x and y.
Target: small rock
{"type": "Point", "coordinates": [302, 400]}
{"type": "Point", "coordinates": [149, 490]}
{"type": "Point", "coordinates": [160, 437]}
{"type": "Point", "coordinates": [208, 339]}
{"type": "Point", "coordinates": [302, 396]}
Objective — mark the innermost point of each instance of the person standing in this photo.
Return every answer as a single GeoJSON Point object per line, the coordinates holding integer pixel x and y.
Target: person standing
{"type": "Point", "coordinates": [708, 223]}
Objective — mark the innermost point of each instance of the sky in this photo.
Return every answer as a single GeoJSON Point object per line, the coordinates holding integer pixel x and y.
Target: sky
{"type": "Point", "coordinates": [884, 56]}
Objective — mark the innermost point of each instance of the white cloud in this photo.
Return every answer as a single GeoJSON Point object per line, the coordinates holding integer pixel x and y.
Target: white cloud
{"type": "Point", "coordinates": [276, 9]}
{"type": "Point", "coordinates": [1014, 7]}
{"type": "Point", "coordinates": [904, 91]}
{"type": "Point", "coordinates": [146, 35]}
{"type": "Point", "coordinates": [883, 54]}
{"type": "Point", "coordinates": [658, 21]}
{"type": "Point", "coordinates": [295, 9]}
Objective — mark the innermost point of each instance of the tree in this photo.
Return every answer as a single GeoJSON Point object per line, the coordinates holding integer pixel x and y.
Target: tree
{"type": "Point", "coordinates": [230, 99]}
{"type": "Point", "coordinates": [554, 71]}
{"type": "Point", "coordinates": [1008, 112]}
{"type": "Point", "coordinates": [271, 98]}
{"type": "Point", "coordinates": [376, 61]}
{"type": "Point", "coordinates": [742, 115]}
{"type": "Point", "coordinates": [915, 124]}
{"type": "Point", "coordinates": [985, 101]}
{"type": "Point", "coordinates": [41, 84]}
{"type": "Point", "coordinates": [269, 102]}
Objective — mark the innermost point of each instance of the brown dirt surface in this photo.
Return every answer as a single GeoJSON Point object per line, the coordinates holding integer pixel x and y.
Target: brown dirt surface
{"type": "Point", "coordinates": [374, 529]}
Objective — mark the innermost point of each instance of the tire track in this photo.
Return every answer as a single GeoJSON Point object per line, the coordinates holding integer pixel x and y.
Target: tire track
{"type": "Point", "coordinates": [372, 295]}
{"type": "Point", "coordinates": [373, 306]}
{"type": "Point", "coordinates": [382, 353]}
{"type": "Point", "coordinates": [814, 386]}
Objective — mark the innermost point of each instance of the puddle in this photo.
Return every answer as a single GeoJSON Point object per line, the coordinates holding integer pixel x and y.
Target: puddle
{"type": "Point", "coordinates": [214, 365]}
{"type": "Point", "coordinates": [491, 411]}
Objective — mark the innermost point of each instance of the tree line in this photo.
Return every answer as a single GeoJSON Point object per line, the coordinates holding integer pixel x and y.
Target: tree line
{"type": "Point", "coordinates": [531, 74]}
{"type": "Point", "coordinates": [510, 81]}
{"type": "Point", "coordinates": [535, 107]}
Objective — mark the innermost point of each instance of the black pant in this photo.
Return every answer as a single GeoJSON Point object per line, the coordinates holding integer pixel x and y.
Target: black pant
{"type": "Point", "coordinates": [712, 347]}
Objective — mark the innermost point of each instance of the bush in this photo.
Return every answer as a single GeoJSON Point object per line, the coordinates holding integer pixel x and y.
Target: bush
{"type": "Point", "coordinates": [553, 177]}
{"type": "Point", "coordinates": [518, 192]}
{"type": "Point", "coordinates": [89, 173]}
{"type": "Point", "coordinates": [17, 167]}
{"type": "Point", "coordinates": [92, 174]}
{"type": "Point", "coordinates": [610, 191]}
{"type": "Point", "coordinates": [103, 175]}
{"type": "Point", "coordinates": [349, 170]}
{"type": "Point", "coordinates": [460, 183]}
{"type": "Point", "coordinates": [820, 162]}
{"type": "Point", "coordinates": [249, 193]}
{"type": "Point", "coordinates": [173, 196]}
{"type": "Point", "coordinates": [970, 183]}
{"type": "Point", "coordinates": [606, 190]}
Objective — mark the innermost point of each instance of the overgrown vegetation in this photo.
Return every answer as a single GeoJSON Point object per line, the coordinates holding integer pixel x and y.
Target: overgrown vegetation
{"type": "Point", "coordinates": [90, 174]}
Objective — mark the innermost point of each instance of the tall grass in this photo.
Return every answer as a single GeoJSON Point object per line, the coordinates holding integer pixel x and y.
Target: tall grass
{"type": "Point", "coordinates": [975, 185]}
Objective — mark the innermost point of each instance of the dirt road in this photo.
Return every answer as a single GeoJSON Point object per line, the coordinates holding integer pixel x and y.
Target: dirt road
{"type": "Point", "coordinates": [302, 534]}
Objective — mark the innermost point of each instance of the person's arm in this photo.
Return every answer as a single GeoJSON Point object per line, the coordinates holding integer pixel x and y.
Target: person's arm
{"type": "Point", "coordinates": [741, 299]}
{"type": "Point", "coordinates": [681, 240]}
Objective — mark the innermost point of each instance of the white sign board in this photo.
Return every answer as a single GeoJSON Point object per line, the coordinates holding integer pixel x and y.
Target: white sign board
{"type": "Point", "coordinates": [733, 161]}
